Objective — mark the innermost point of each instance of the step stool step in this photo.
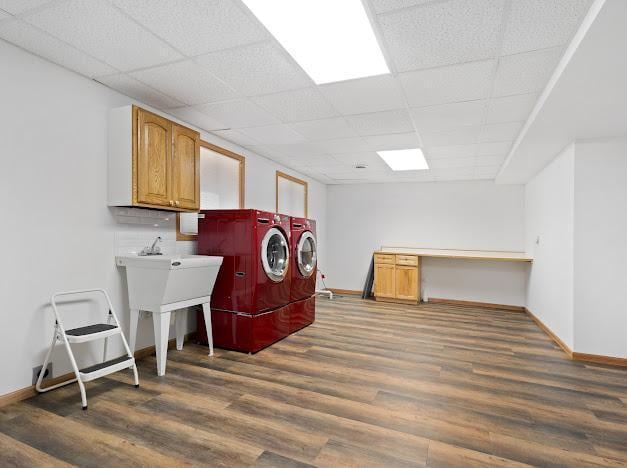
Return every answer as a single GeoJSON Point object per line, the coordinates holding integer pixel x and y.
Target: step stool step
{"type": "Point", "coordinates": [105, 368]}
{"type": "Point", "coordinates": [91, 332]}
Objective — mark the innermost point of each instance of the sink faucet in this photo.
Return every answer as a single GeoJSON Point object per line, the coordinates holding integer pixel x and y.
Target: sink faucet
{"type": "Point", "coordinates": [153, 249]}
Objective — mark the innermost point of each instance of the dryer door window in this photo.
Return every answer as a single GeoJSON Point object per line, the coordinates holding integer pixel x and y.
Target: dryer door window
{"type": "Point", "coordinates": [275, 255]}
{"type": "Point", "coordinates": [306, 254]}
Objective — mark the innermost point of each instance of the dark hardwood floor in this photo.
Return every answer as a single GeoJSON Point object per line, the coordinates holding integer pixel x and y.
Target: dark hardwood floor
{"type": "Point", "coordinates": [369, 384]}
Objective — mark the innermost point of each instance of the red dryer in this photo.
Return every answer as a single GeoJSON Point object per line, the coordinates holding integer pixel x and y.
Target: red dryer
{"type": "Point", "coordinates": [303, 269]}
{"type": "Point", "coordinates": [252, 290]}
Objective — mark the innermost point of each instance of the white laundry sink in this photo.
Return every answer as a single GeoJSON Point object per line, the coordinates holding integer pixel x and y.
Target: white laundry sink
{"type": "Point", "coordinates": [158, 280]}
{"type": "Point", "coordinates": [162, 284]}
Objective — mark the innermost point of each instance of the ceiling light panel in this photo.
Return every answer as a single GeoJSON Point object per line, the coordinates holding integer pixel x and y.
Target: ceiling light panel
{"type": "Point", "coordinates": [405, 159]}
{"type": "Point", "coordinates": [332, 41]}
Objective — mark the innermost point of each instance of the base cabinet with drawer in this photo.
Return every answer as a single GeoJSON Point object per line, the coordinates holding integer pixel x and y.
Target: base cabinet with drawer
{"type": "Point", "coordinates": [397, 278]}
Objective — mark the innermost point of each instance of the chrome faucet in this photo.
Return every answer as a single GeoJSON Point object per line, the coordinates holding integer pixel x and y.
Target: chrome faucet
{"type": "Point", "coordinates": [153, 249]}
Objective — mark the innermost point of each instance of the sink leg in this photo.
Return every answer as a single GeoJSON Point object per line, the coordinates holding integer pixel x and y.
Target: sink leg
{"type": "Point", "coordinates": [161, 323]}
{"type": "Point", "coordinates": [206, 311]}
{"type": "Point", "coordinates": [181, 327]}
{"type": "Point", "coordinates": [132, 337]}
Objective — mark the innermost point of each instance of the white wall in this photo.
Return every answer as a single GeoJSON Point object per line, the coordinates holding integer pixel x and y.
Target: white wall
{"type": "Point", "coordinates": [601, 247]}
{"type": "Point", "coordinates": [58, 232]}
{"type": "Point", "coordinates": [549, 215]}
{"type": "Point", "coordinates": [450, 215]}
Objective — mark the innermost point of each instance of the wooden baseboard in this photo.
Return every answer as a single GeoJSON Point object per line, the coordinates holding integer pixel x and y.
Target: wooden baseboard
{"type": "Point", "coordinates": [575, 356]}
{"type": "Point", "coordinates": [29, 392]}
{"type": "Point", "coordinates": [487, 305]}
{"type": "Point", "coordinates": [345, 292]}
{"type": "Point", "coordinates": [396, 301]}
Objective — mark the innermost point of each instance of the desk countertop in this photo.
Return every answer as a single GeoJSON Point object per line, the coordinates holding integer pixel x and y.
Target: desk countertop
{"type": "Point", "coordinates": [463, 254]}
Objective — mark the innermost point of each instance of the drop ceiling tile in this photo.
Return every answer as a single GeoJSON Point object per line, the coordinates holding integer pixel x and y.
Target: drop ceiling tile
{"type": "Point", "coordinates": [194, 117]}
{"type": "Point", "coordinates": [381, 123]}
{"type": "Point", "coordinates": [392, 142]}
{"type": "Point", "coordinates": [256, 69]}
{"type": "Point", "coordinates": [493, 148]}
{"type": "Point", "coordinates": [40, 43]}
{"type": "Point", "coordinates": [447, 163]}
{"type": "Point", "coordinates": [372, 94]}
{"type": "Point", "coordinates": [443, 33]}
{"type": "Point", "coordinates": [4, 15]}
{"type": "Point", "coordinates": [381, 6]}
{"type": "Point", "coordinates": [370, 159]}
{"type": "Point", "coordinates": [525, 73]}
{"type": "Point", "coordinates": [298, 105]}
{"type": "Point", "coordinates": [487, 172]}
{"type": "Point", "coordinates": [133, 88]}
{"type": "Point", "coordinates": [317, 162]}
{"type": "Point", "coordinates": [99, 29]}
{"type": "Point", "coordinates": [16, 7]}
{"type": "Point", "coordinates": [273, 134]}
{"type": "Point", "coordinates": [452, 151]}
{"type": "Point", "coordinates": [266, 152]}
{"type": "Point", "coordinates": [500, 131]}
{"type": "Point", "coordinates": [511, 108]}
{"type": "Point", "coordinates": [460, 136]}
{"type": "Point", "coordinates": [186, 81]}
{"type": "Point", "coordinates": [454, 173]}
{"type": "Point", "coordinates": [324, 129]}
{"type": "Point", "coordinates": [481, 161]}
{"type": "Point", "coordinates": [195, 27]}
{"type": "Point", "coordinates": [236, 137]}
{"type": "Point", "coordinates": [344, 145]}
{"type": "Point", "coordinates": [449, 116]}
{"type": "Point", "coordinates": [462, 82]}
{"type": "Point", "coordinates": [297, 150]}
{"type": "Point", "coordinates": [238, 113]}
{"type": "Point", "coordinates": [540, 24]}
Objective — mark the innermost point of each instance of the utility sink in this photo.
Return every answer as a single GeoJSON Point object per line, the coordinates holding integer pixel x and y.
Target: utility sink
{"type": "Point", "coordinates": [162, 284]}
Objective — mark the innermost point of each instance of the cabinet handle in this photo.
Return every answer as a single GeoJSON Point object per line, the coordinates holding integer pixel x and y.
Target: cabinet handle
{"type": "Point", "coordinates": [171, 202]}
{"type": "Point", "coordinates": [176, 203]}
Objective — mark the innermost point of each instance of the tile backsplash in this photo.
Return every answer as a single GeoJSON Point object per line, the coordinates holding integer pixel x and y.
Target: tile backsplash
{"type": "Point", "coordinates": [137, 228]}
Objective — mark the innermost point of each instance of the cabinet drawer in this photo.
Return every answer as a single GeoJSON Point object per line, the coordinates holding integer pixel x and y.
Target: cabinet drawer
{"type": "Point", "coordinates": [410, 260]}
{"type": "Point", "coordinates": [383, 258]}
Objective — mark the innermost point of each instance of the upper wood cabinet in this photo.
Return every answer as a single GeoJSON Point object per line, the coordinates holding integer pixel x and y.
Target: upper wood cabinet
{"type": "Point", "coordinates": [153, 162]}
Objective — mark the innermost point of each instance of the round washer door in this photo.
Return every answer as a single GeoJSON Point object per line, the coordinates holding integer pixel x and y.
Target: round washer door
{"type": "Point", "coordinates": [275, 255]}
{"type": "Point", "coordinates": [306, 254]}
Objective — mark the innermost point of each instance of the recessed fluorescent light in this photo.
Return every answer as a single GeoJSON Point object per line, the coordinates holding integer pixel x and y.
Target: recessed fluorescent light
{"type": "Point", "coordinates": [405, 160]}
{"type": "Point", "coordinates": [331, 39]}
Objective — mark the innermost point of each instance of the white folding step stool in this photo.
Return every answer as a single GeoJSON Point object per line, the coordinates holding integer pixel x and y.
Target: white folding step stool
{"type": "Point", "coordinates": [82, 335]}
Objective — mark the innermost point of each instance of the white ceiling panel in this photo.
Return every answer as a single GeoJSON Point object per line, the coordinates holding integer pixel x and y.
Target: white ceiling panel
{"type": "Point", "coordinates": [102, 31]}
{"type": "Point", "coordinates": [16, 7]}
{"type": "Point", "coordinates": [443, 33]}
{"type": "Point", "coordinates": [494, 148]}
{"type": "Point", "coordinates": [392, 142]}
{"type": "Point", "coordinates": [381, 123]}
{"type": "Point", "coordinates": [446, 163]}
{"type": "Point", "coordinates": [133, 88]}
{"type": "Point", "coordinates": [294, 106]}
{"type": "Point", "coordinates": [452, 151]}
{"type": "Point", "coordinates": [460, 136]}
{"type": "Point", "coordinates": [500, 131]}
{"type": "Point", "coordinates": [449, 116]}
{"type": "Point", "coordinates": [511, 108]}
{"type": "Point", "coordinates": [273, 134]}
{"type": "Point", "coordinates": [381, 6]}
{"type": "Point", "coordinates": [195, 27]}
{"type": "Point", "coordinates": [370, 159]}
{"type": "Point", "coordinates": [540, 24]}
{"type": "Point", "coordinates": [238, 113]}
{"type": "Point", "coordinates": [186, 81]}
{"type": "Point", "coordinates": [324, 129]}
{"type": "Point", "coordinates": [525, 73]}
{"type": "Point", "coordinates": [463, 82]}
{"type": "Point", "coordinates": [297, 150]}
{"type": "Point", "coordinates": [453, 173]}
{"type": "Point", "coordinates": [487, 172]}
{"type": "Point", "coordinates": [344, 145]}
{"type": "Point", "coordinates": [4, 15]}
{"type": "Point", "coordinates": [256, 69]}
{"type": "Point", "coordinates": [43, 44]}
{"type": "Point", "coordinates": [194, 117]}
{"type": "Point", "coordinates": [235, 136]}
{"type": "Point", "coordinates": [372, 94]}
{"type": "Point", "coordinates": [497, 160]}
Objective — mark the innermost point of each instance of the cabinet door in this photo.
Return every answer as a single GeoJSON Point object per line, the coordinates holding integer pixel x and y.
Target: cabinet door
{"type": "Point", "coordinates": [153, 160]}
{"type": "Point", "coordinates": [384, 280]}
{"type": "Point", "coordinates": [407, 282]}
{"type": "Point", "coordinates": [186, 168]}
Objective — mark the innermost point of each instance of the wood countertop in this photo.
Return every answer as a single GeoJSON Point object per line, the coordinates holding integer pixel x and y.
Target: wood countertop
{"type": "Point", "coordinates": [460, 254]}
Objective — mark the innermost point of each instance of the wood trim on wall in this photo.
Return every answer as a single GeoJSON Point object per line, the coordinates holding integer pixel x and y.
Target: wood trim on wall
{"type": "Point", "coordinates": [291, 178]}
{"type": "Point", "coordinates": [29, 392]}
{"type": "Point", "coordinates": [242, 185]}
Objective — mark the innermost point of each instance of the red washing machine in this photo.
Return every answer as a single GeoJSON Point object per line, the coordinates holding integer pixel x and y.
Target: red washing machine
{"type": "Point", "coordinates": [252, 290]}
{"type": "Point", "coordinates": [303, 268]}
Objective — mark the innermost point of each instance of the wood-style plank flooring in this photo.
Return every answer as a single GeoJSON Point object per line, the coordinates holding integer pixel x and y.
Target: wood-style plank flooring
{"type": "Point", "coordinates": [369, 384]}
